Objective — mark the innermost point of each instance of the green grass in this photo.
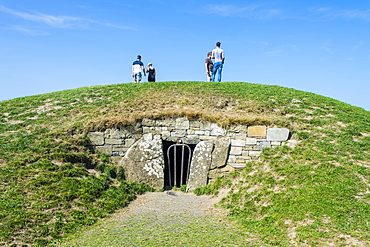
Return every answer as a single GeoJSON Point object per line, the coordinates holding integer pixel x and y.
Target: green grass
{"type": "Point", "coordinates": [51, 185]}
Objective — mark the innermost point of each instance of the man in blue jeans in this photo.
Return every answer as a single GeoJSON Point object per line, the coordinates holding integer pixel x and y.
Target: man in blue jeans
{"type": "Point", "coordinates": [219, 56]}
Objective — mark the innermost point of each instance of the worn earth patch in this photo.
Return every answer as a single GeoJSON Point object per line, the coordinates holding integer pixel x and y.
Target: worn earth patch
{"type": "Point", "coordinates": [171, 218]}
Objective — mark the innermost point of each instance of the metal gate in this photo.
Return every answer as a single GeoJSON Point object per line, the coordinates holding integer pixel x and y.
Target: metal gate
{"type": "Point", "coordinates": [179, 165]}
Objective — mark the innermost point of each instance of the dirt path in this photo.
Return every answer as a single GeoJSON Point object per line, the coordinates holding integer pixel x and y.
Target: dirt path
{"type": "Point", "coordinates": [169, 218]}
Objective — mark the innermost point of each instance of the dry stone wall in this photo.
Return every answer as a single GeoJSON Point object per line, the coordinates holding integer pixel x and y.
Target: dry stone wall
{"type": "Point", "coordinates": [247, 142]}
{"type": "Point", "coordinates": [232, 148]}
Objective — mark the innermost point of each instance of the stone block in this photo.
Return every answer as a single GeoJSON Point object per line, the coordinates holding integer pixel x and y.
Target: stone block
{"type": "Point", "coordinates": [255, 153]}
{"type": "Point", "coordinates": [195, 124]}
{"type": "Point", "coordinates": [235, 150]}
{"type": "Point", "coordinates": [182, 123]}
{"type": "Point", "coordinates": [190, 132]}
{"type": "Point", "coordinates": [114, 141]}
{"type": "Point", "coordinates": [275, 144]}
{"type": "Point", "coordinates": [251, 141]}
{"type": "Point", "coordinates": [166, 133]}
{"type": "Point", "coordinates": [207, 138]}
{"type": "Point", "coordinates": [231, 159]}
{"type": "Point", "coordinates": [147, 129]}
{"type": "Point", "coordinates": [238, 166]}
{"type": "Point", "coordinates": [104, 149]}
{"type": "Point", "coordinates": [220, 152]}
{"type": "Point", "coordinates": [277, 134]}
{"type": "Point", "coordinates": [149, 122]}
{"type": "Point", "coordinates": [166, 123]}
{"type": "Point", "coordinates": [200, 164]}
{"type": "Point", "coordinates": [96, 138]}
{"type": "Point", "coordinates": [216, 130]}
{"type": "Point", "coordinates": [205, 126]}
{"type": "Point", "coordinates": [199, 132]}
{"type": "Point", "coordinates": [257, 131]}
{"type": "Point", "coordinates": [190, 141]}
{"type": "Point", "coordinates": [238, 143]}
{"type": "Point", "coordinates": [240, 136]}
{"type": "Point", "coordinates": [178, 133]}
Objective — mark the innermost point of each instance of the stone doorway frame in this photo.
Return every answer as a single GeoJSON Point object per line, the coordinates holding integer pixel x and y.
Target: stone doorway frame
{"type": "Point", "coordinates": [172, 166]}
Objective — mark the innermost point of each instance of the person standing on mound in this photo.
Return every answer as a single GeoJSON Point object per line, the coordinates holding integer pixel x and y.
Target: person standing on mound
{"type": "Point", "coordinates": [137, 69]}
{"type": "Point", "coordinates": [219, 56]}
{"type": "Point", "coordinates": [151, 73]}
{"type": "Point", "coordinates": [209, 66]}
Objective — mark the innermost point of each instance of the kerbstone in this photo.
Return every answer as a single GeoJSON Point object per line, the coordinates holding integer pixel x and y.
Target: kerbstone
{"type": "Point", "coordinates": [220, 152]}
{"type": "Point", "coordinates": [144, 162]}
{"type": "Point", "coordinates": [200, 164]}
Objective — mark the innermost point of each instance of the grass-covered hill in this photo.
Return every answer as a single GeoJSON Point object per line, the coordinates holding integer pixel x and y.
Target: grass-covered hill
{"type": "Point", "coordinates": [315, 194]}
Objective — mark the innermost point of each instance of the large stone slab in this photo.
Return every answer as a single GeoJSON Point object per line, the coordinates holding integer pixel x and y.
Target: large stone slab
{"type": "Point", "coordinates": [220, 152]}
{"type": "Point", "coordinates": [144, 161]}
{"type": "Point", "coordinates": [200, 164]}
{"type": "Point", "coordinates": [277, 134]}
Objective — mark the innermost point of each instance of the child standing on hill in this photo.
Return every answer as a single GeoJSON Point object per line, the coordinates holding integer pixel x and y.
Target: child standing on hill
{"type": "Point", "coordinates": [209, 66]}
{"type": "Point", "coordinates": [151, 73]}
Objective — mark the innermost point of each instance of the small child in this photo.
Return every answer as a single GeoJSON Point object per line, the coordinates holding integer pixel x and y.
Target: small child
{"type": "Point", "coordinates": [209, 66]}
{"type": "Point", "coordinates": [151, 73]}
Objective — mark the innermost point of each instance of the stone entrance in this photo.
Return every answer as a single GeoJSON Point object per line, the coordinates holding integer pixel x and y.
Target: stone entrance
{"type": "Point", "coordinates": [217, 151]}
{"type": "Point", "coordinates": [177, 163]}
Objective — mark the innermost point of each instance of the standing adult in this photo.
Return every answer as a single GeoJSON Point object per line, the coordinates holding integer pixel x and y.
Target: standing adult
{"type": "Point", "coordinates": [137, 69]}
{"type": "Point", "coordinates": [151, 73]}
{"type": "Point", "coordinates": [219, 56]}
{"type": "Point", "coordinates": [209, 66]}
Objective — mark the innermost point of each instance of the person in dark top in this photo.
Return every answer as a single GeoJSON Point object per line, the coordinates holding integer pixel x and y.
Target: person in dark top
{"type": "Point", "coordinates": [151, 73]}
{"type": "Point", "coordinates": [209, 66]}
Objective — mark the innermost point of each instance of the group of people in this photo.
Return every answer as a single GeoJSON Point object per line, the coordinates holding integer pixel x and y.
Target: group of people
{"type": "Point", "coordinates": [138, 68]}
{"type": "Point", "coordinates": [212, 68]}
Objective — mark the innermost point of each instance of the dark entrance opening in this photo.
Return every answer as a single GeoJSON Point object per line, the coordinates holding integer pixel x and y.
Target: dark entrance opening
{"type": "Point", "coordinates": [177, 163]}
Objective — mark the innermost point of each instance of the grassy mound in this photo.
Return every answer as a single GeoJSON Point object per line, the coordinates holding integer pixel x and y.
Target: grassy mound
{"type": "Point", "coordinates": [315, 194]}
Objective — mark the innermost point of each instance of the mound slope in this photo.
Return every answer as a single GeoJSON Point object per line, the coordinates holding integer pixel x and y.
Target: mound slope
{"type": "Point", "coordinates": [314, 194]}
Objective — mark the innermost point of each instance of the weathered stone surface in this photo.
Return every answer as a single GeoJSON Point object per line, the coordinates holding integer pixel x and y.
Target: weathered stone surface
{"type": "Point", "coordinates": [144, 162]}
{"type": "Point", "coordinates": [251, 141]}
{"type": "Point", "coordinates": [257, 131]}
{"type": "Point", "coordinates": [113, 141]}
{"type": "Point", "coordinates": [96, 138]}
{"type": "Point", "coordinates": [220, 152]}
{"type": "Point", "coordinates": [200, 165]}
{"type": "Point", "coordinates": [182, 123]}
{"type": "Point", "coordinates": [104, 149]}
{"type": "Point", "coordinates": [236, 150]}
{"type": "Point", "coordinates": [277, 134]}
{"type": "Point", "coordinates": [216, 130]}
{"type": "Point", "coordinates": [238, 143]}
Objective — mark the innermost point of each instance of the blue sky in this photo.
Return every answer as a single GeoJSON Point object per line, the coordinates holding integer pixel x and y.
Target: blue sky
{"type": "Point", "coordinates": [315, 46]}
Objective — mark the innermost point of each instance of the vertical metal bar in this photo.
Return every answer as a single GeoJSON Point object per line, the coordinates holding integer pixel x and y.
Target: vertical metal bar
{"type": "Point", "coordinates": [189, 160]}
{"type": "Point", "coordinates": [169, 165]}
{"type": "Point", "coordinates": [182, 163]}
{"type": "Point", "coordinates": [175, 166]}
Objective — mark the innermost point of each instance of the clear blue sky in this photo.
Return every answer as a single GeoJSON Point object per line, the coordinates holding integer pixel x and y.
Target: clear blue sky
{"type": "Point", "coordinates": [316, 46]}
